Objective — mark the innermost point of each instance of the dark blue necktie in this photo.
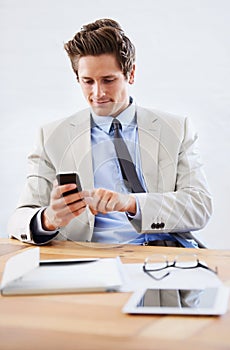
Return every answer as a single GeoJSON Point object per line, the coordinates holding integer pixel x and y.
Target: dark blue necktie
{"type": "Point", "coordinates": [128, 169]}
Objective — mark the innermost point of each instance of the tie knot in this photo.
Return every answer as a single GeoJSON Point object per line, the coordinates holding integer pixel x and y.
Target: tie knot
{"type": "Point", "coordinates": [116, 125]}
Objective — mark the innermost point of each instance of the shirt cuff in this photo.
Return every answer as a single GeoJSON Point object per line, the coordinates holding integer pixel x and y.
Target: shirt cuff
{"type": "Point", "coordinates": [39, 235]}
{"type": "Point", "coordinates": [137, 216]}
{"type": "Point", "coordinates": [38, 221]}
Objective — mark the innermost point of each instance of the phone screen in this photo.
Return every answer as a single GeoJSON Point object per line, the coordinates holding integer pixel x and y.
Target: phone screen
{"type": "Point", "coordinates": [69, 178]}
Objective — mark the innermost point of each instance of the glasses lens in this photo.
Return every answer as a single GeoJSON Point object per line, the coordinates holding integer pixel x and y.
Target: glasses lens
{"type": "Point", "coordinates": [156, 262]}
{"type": "Point", "coordinates": [186, 261]}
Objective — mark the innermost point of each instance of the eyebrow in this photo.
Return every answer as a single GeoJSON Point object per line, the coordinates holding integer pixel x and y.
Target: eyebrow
{"type": "Point", "coordinates": [103, 77]}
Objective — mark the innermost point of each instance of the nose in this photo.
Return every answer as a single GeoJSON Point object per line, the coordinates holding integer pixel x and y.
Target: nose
{"type": "Point", "coordinates": [98, 90]}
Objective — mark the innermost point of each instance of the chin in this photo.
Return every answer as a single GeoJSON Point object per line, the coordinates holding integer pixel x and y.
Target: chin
{"type": "Point", "coordinates": [102, 111]}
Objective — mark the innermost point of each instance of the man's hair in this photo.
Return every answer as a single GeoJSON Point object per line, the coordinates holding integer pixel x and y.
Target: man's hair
{"type": "Point", "coordinates": [104, 36]}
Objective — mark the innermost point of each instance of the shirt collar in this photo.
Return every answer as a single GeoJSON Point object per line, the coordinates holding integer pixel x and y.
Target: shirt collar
{"type": "Point", "coordinates": [126, 118]}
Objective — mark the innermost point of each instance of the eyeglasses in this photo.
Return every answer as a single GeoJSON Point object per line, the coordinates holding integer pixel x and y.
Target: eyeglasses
{"type": "Point", "coordinates": [157, 263]}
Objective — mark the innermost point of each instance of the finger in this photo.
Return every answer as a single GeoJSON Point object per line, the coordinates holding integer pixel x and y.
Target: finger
{"type": "Point", "coordinates": [55, 183]}
{"type": "Point", "coordinates": [87, 193]}
{"type": "Point", "coordinates": [103, 204]}
{"type": "Point", "coordinates": [72, 198]}
{"type": "Point", "coordinates": [58, 191]}
{"type": "Point", "coordinates": [67, 188]}
{"type": "Point", "coordinates": [87, 196]}
{"type": "Point", "coordinates": [94, 212]}
{"type": "Point", "coordinates": [89, 201]}
{"type": "Point", "coordinates": [76, 206]}
{"type": "Point", "coordinates": [96, 201]}
{"type": "Point", "coordinates": [92, 199]}
{"type": "Point", "coordinates": [111, 205]}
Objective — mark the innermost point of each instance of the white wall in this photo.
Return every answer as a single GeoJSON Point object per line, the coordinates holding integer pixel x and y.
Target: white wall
{"type": "Point", "coordinates": [183, 67]}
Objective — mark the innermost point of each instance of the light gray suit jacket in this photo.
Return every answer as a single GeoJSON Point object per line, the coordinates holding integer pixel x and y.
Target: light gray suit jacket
{"type": "Point", "coordinates": [178, 199]}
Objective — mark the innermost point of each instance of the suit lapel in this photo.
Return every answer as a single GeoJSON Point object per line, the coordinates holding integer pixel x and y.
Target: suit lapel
{"type": "Point", "coordinates": [149, 137]}
{"type": "Point", "coordinates": [80, 147]}
{"type": "Point", "coordinates": [79, 133]}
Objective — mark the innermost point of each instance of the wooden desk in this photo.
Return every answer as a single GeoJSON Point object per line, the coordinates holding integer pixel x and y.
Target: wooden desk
{"type": "Point", "coordinates": [95, 321]}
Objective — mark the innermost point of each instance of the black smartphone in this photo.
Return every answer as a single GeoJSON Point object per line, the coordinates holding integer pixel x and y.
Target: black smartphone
{"type": "Point", "coordinates": [69, 178]}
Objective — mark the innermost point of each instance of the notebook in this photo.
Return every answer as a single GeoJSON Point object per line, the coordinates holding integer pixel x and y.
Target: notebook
{"type": "Point", "coordinates": [24, 273]}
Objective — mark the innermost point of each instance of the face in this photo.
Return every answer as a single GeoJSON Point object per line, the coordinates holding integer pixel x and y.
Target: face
{"type": "Point", "coordinates": [104, 84]}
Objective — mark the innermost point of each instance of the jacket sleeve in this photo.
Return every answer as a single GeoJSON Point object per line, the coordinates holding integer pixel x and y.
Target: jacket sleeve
{"type": "Point", "coordinates": [183, 204]}
{"type": "Point", "coordinates": [35, 195]}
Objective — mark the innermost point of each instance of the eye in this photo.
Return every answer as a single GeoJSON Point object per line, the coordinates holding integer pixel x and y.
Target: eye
{"type": "Point", "coordinates": [108, 80]}
{"type": "Point", "coordinates": [88, 81]}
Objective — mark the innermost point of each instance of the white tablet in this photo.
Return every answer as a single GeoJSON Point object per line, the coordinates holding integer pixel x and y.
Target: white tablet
{"type": "Point", "coordinates": [207, 301]}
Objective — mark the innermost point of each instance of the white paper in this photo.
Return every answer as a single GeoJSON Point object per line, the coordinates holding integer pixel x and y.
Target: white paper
{"type": "Point", "coordinates": [19, 265]}
{"type": "Point", "coordinates": [135, 278]}
{"type": "Point", "coordinates": [24, 275]}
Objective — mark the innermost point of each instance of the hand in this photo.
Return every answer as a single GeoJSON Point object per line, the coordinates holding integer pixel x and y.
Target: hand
{"type": "Point", "coordinates": [62, 210]}
{"type": "Point", "coordinates": [103, 201]}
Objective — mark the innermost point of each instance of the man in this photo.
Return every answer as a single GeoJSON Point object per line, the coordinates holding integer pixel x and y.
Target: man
{"type": "Point", "coordinates": [171, 197]}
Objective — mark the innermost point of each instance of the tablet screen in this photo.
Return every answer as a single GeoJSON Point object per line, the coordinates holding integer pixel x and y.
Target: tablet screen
{"type": "Point", "coordinates": [191, 298]}
{"type": "Point", "coordinates": [210, 301]}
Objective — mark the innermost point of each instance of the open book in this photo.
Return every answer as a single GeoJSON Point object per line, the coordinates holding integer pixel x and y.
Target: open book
{"type": "Point", "coordinates": [24, 273]}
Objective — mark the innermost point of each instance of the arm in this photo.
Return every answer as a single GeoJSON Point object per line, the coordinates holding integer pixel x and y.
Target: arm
{"type": "Point", "coordinates": [183, 202]}
{"type": "Point", "coordinates": [41, 200]}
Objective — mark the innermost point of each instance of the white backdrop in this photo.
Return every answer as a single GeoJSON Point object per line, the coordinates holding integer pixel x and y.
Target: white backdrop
{"type": "Point", "coordinates": [183, 67]}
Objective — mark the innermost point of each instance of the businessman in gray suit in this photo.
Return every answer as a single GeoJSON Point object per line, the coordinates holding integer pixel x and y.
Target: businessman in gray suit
{"type": "Point", "coordinates": [174, 198]}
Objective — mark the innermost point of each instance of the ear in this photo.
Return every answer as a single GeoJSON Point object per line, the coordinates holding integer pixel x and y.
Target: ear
{"type": "Point", "coordinates": [132, 74]}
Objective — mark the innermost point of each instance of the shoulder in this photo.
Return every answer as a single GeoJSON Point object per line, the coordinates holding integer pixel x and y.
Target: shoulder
{"type": "Point", "coordinates": [170, 124]}
{"type": "Point", "coordinates": [74, 119]}
{"type": "Point", "coordinates": [165, 120]}
{"type": "Point", "coordinates": [162, 116]}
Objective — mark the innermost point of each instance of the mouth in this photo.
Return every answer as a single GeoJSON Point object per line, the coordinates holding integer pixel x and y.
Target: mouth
{"type": "Point", "coordinates": [100, 102]}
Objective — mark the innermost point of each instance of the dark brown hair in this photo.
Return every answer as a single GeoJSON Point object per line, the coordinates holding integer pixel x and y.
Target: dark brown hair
{"type": "Point", "coordinates": [104, 36]}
